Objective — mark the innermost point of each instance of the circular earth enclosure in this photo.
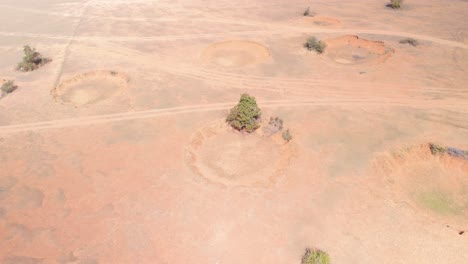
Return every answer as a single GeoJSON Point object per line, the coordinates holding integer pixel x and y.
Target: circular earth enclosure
{"type": "Point", "coordinates": [231, 158]}
{"type": "Point", "coordinates": [434, 184]}
{"type": "Point", "coordinates": [90, 88]}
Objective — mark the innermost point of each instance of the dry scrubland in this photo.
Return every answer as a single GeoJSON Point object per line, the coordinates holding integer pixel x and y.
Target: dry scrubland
{"type": "Point", "coordinates": [115, 148]}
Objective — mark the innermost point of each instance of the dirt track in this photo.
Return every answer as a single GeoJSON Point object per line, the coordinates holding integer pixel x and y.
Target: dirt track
{"type": "Point", "coordinates": [285, 30]}
{"type": "Point", "coordinates": [361, 102]}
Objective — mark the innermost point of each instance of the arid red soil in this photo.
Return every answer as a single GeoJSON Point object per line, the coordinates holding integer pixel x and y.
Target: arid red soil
{"type": "Point", "coordinates": [116, 151]}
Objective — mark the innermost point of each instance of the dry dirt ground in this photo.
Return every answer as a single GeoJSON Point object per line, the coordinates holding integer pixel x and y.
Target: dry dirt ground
{"type": "Point", "coordinates": [116, 151]}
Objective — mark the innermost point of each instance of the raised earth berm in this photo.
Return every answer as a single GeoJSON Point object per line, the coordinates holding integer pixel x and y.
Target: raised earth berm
{"type": "Point", "coordinates": [351, 49]}
{"type": "Point", "coordinates": [224, 156]}
{"type": "Point", "coordinates": [90, 88]}
{"type": "Point", "coordinates": [433, 184]}
{"type": "Point", "coordinates": [235, 53]}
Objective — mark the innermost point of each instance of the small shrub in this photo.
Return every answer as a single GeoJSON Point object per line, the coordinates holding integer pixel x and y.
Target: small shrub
{"type": "Point", "coordinates": [8, 87]}
{"type": "Point", "coordinates": [287, 135]}
{"type": "Point", "coordinates": [395, 4]}
{"type": "Point", "coordinates": [454, 152]}
{"type": "Point", "coordinates": [275, 124]}
{"type": "Point", "coordinates": [245, 115]}
{"type": "Point", "coordinates": [315, 256]}
{"type": "Point", "coordinates": [436, 149]}
{"type": "Point", "coordinates": [314, 44]}
{"type": "Point", "coordinates": [31, 60]}
{"type": "Point", "coordinates": [411, 41]}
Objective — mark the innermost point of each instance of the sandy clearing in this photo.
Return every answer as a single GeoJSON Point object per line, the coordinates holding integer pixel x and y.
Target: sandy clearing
{"type": "Point", "coordinates": [235, 53]}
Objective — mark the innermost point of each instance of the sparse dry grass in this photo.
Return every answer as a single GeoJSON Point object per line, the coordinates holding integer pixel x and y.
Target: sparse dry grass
{"type": "Point", "coordinates": [287, 135]}
{"type": "Point", "coordinates": [307, 12]}
{"type": "Point", "coordinates": [437, 149]}
{"type": "Point", "coordinates": [411, 41]}
{"type": "Point", "coordinates": [275, 124]}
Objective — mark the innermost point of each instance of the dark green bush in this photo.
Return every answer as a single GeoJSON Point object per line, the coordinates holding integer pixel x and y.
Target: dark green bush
{"type": "Point", "coordinates": [315, 256]}
{"type": "Point", "coordinates": [245, 115]}
{"type": "Point", "coordinates": [411, 41]}
{"type": "Point", "coordinates": [8, 87]}
{"type": "Point", "coordinates": [395, 4]}
{"type": "Point", "coordinates": [314, 44]}
{"type": "Point", "coordinates": [31, 60]}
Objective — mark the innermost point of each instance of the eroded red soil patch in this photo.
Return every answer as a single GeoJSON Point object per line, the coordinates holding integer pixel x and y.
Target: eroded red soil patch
{"type": "Point", "coordinates": [351, 49]}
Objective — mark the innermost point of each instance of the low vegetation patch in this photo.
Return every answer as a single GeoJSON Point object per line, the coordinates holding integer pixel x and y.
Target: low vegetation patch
{"type": "Point", "coordinates": [275, 124]}
{"type": "Point", "coordinates": [439, 202]}
{"type": "Point", "coordinates": [308, 13]}
{"type": "Point", "coordinates": [287, 135]}
{"type": "Point", "coordinates": [437, 149]}
{"type": "Point", "coordinates": [395, 4]}
{"type": "Point", "coordinates": [454, 152]}
{"type": "Point", "coordinates": [314, 44]}
{"type": "Point", "coordinates": [411, 41]}
{"type": "Point", "coordinates": [245, 115]}
{"type": "Point", "coordinates": [8, 87]}
{"type": "Point", "coordinates": [315, 256]}
{"type": "Point", "coordinates": [32, 60]}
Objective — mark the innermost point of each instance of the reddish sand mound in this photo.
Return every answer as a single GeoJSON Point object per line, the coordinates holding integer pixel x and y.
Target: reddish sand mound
{"type": "Point", "coordinates": [230, 158]}
{"type": "Point", "coordinates": [90, 88]}
{"type": "Point", "coordinates": [351, 49]}
{"type": "Point", "coordinates": [433, 184]}
{"type": "Point", "coordinates": [235, 53]}
{"type": "Point", "coordinates": [323, 21]}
